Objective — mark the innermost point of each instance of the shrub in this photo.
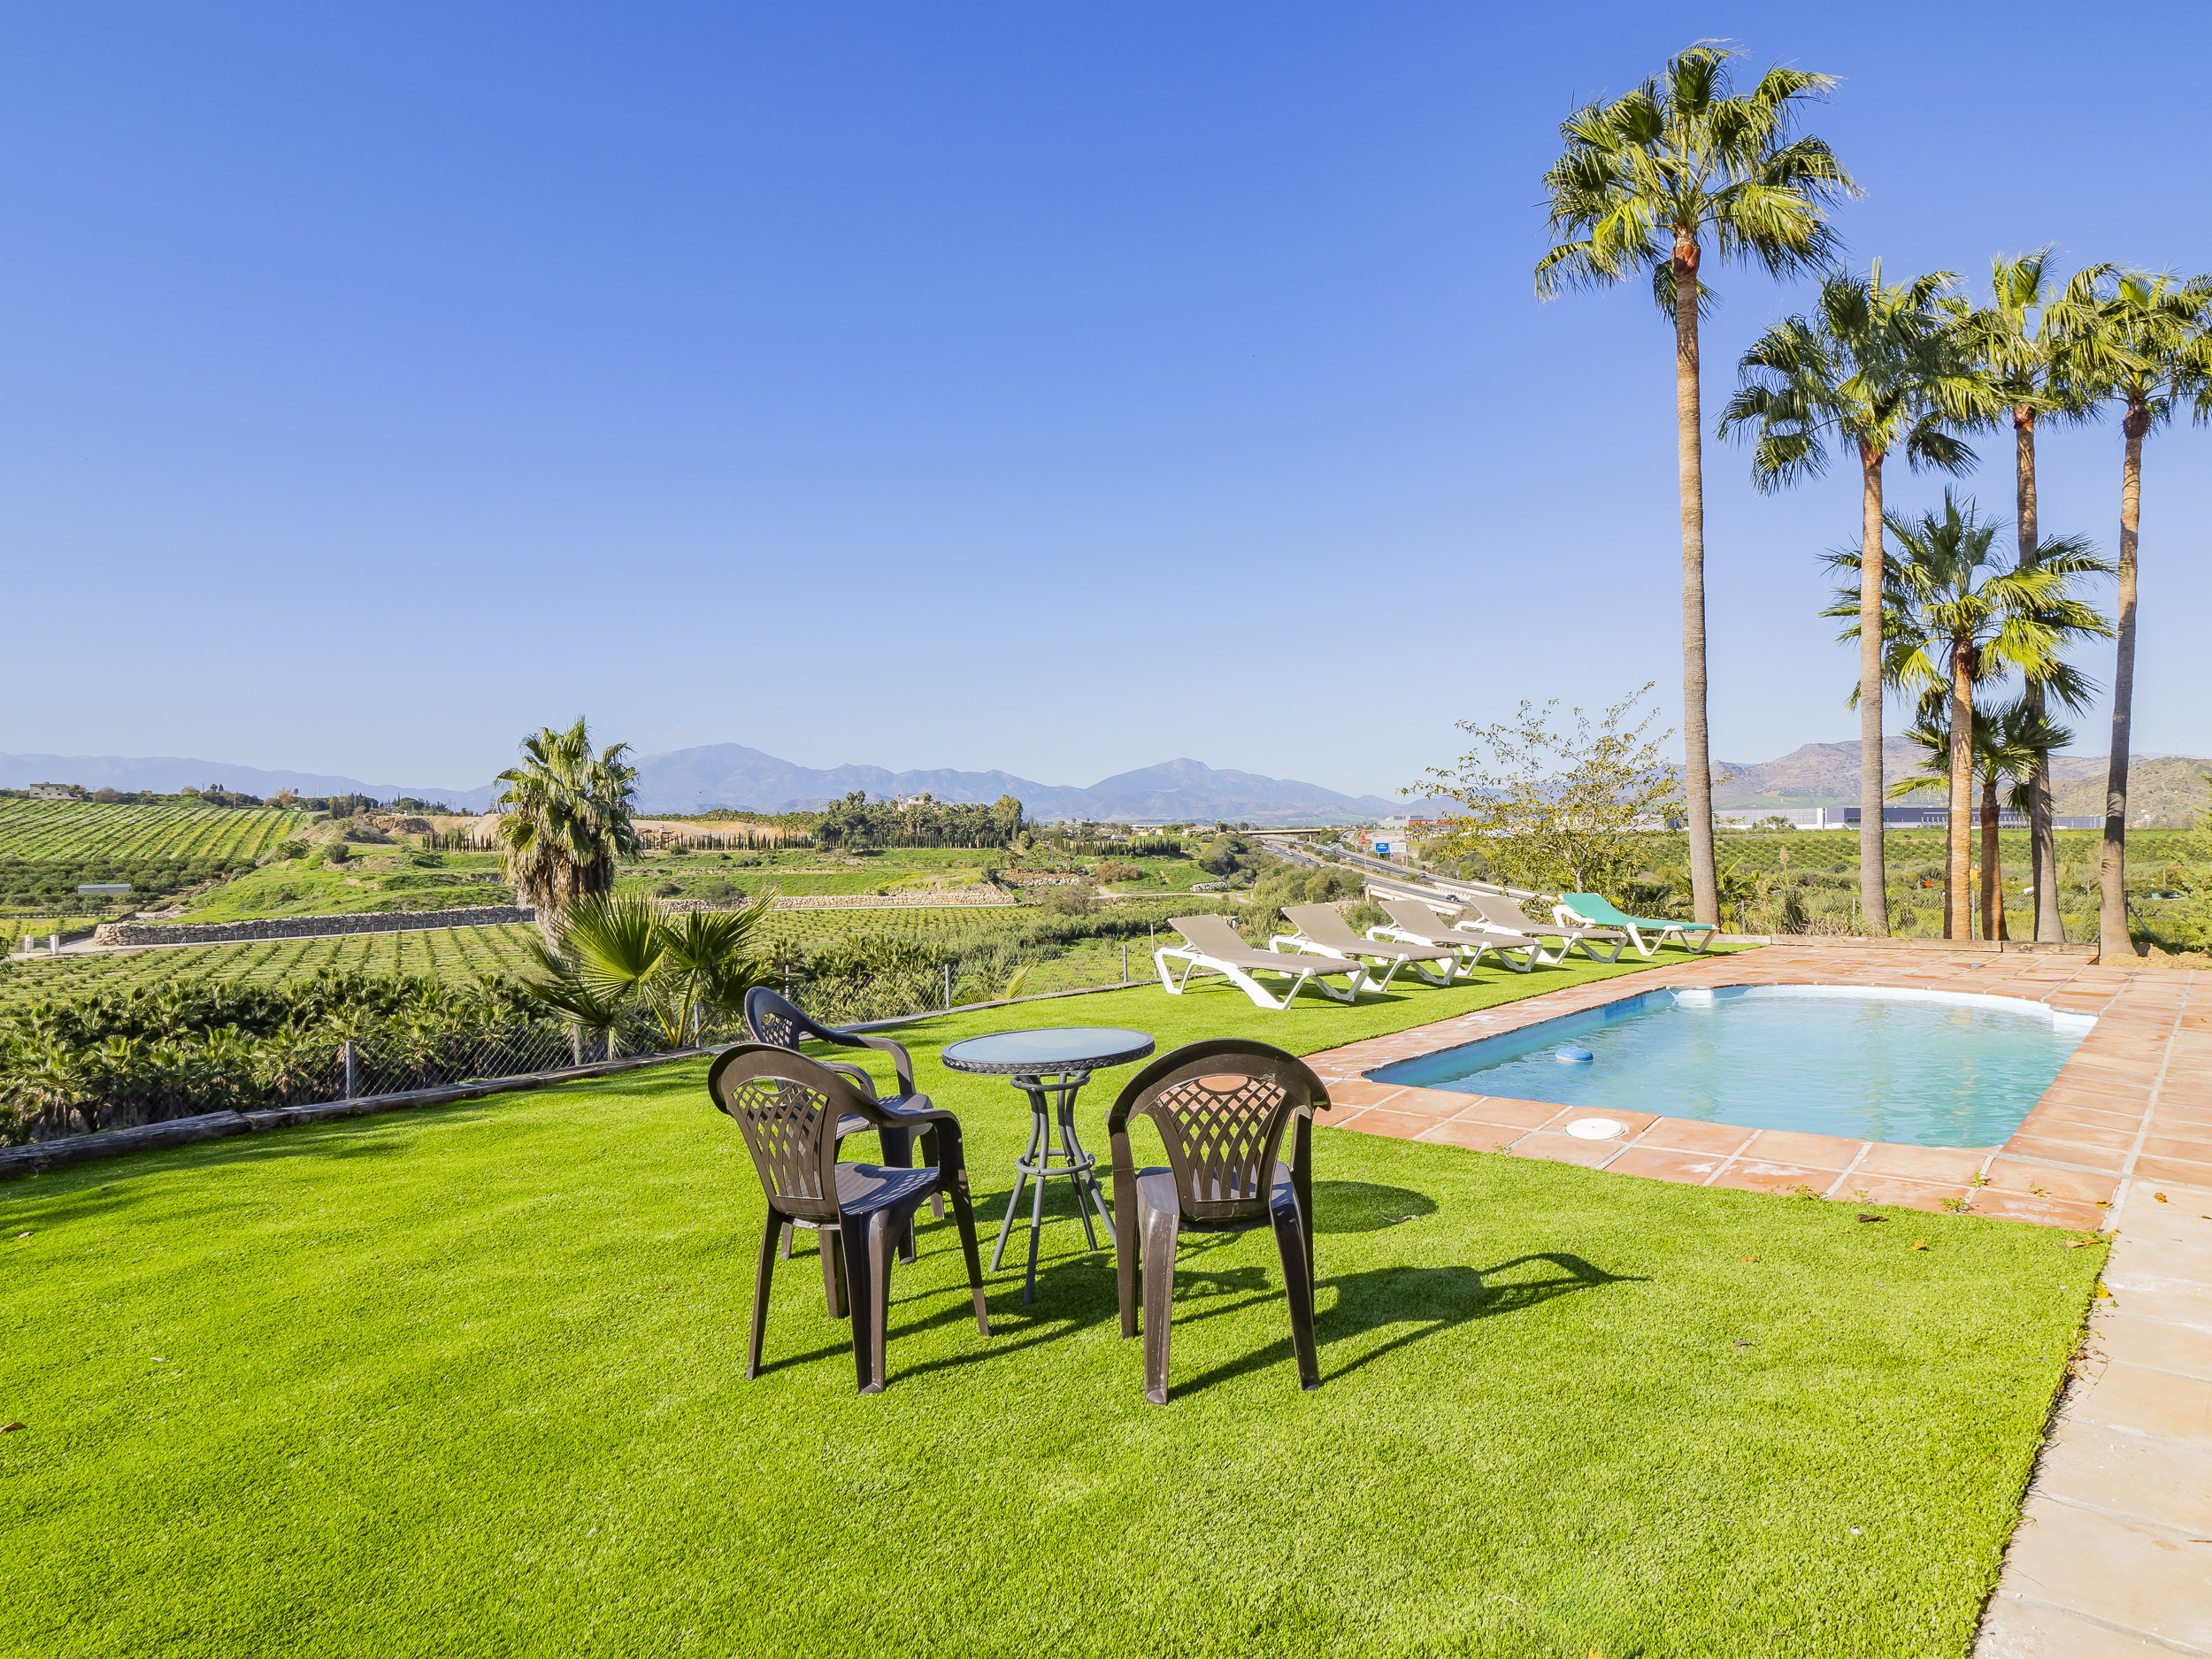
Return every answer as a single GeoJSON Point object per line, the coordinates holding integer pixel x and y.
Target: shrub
{"type": "Point", "coordinates": [1118, 870]}
{"type": "Point", "coordinates": [338, 852]}
{"type": "Point", "coordinates": [1066, 901]}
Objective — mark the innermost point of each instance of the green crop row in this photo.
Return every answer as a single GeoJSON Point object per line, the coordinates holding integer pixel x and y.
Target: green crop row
{"type": "Point", "coordinates": [88, 830]}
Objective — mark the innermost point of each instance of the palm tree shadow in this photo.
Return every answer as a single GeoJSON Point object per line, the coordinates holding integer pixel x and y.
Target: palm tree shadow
{"type": "Point", "coordinates": [1431, 1300]}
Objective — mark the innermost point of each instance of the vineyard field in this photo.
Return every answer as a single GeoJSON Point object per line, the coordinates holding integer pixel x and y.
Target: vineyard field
{"type": "Point", "coordinates": [87, 831]}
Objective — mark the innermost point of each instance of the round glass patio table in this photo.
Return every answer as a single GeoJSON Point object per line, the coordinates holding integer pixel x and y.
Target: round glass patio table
{"type": "Point", "coordinates": [1050, 1066]}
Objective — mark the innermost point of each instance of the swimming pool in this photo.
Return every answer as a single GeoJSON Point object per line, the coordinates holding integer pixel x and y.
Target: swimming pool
{"type": "Point", "coordinates": [1926, 1068]}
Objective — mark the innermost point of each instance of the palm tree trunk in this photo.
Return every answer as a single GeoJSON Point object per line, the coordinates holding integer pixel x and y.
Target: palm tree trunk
{"type": "Point", "coordinates": [2112, 904]}
{"type": "Point", "coordinates": [1873, 876]}
{"type": "Point", "coordinates": [1993, 884]}
{"type": "Point", "coordinates": [2042, 836]}
{"type": "Point", "coordinates": [1962, 795]}
{"type": "Point", "coordinates": [1690, 460]}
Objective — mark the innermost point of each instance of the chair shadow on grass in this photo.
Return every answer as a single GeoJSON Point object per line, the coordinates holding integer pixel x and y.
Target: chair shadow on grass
{"type": "Point", "coordinates": [1432, 1300]}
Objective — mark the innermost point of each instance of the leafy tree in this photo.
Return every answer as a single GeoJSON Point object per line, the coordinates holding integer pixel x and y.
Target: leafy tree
{"type": "Point", "coordinates": [2148, 347]}
{"type": "Point", "coordinates": [1953, 619]}
{"type": "Point", "coordinates": [1873, 366]}
{"type": "Point", "coordinates": [1647, 183]}
{"type": "Point", "coordinates": [1554, 809]}
{"type": "Point", "coordinates": [2030, 342]}
{"type": "Point", "coordinates": [563, 819]}
{"type": "Point", "coordinates": [686, 971]}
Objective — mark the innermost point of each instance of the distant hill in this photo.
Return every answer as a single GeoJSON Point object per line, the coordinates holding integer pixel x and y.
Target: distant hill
{"type": "Point", "coordinates": [732, 775]}
{"type": "Point", "coordinates": [167, 774]}
{"type": "Point", "coordinates": [2170, 788]}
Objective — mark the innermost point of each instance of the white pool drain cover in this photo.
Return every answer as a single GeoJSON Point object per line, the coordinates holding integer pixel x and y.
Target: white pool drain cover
{"type": "Point", "coordinates": [1596, 1128]}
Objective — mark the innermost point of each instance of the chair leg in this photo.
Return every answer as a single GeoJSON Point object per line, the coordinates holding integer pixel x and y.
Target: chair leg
{"type": "Point", "coordinates": [929, 1156]}
{"type": "Point", "coordinates": [1159, 1301]}
{"type": "Point", "coordinates": [897, 1146]}
{"type": "Point", "coordinates": [1126, 1269]}
{"type": "Point", "coordinates": [868, 1283]}
{"type": "Point", "coordinates": [787, 1231]}
{"type": "Point", "coordinates": [762, 1277]}
{"type": "Point", "coordinates": [1290, 1244]}
{"type": "Point", "coordinates": [831, 1242]}
{"type": "Point", "coordinates": [964, 1217]}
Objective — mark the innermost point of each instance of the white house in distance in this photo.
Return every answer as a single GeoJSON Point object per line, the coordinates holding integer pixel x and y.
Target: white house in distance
{"type": "Point", "coordinates": [57, 792]}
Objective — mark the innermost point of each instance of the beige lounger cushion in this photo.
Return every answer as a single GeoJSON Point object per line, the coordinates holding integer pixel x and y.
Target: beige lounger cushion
{"type": "Point", "coordinates": [1212, 936]}
{"type": "Point", "coordinates": [1322, 924]}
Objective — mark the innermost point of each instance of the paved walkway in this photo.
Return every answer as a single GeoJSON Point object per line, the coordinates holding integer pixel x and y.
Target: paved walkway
{"type": "Point", "coordinates": [2113, 1557]}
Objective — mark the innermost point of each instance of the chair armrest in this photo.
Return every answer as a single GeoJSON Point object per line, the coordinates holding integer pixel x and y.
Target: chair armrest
{"type": "Point", "coordinates": [901, 1061]}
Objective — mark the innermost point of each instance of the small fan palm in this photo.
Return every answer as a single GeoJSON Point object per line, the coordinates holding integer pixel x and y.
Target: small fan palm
{"type": "Point", "coordinates": [686, 971]}
{"type": "Point", "coordinates": [2007, 743]}
{"type": "Point", "coordinates": [1954, 618]}
{"type": "Point", "coordinates": [565, 818]}
{"type": "Point", "coordinates": [1874, 368]}
{"type": "Point", "coordinates": [1647, 184]}
{"type": "Point", "coordinates": [2149, 349]}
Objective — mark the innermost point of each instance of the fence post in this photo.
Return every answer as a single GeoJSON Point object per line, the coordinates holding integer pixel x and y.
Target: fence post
{"type": "Point", "coordinates": [576, 1042]}
{"type": "Point", "coordinates": [1125, 962]}
{"type": "Point", "coordinates": [350, 1071]}
{"type": "Point", "coordinates": [948, 987]}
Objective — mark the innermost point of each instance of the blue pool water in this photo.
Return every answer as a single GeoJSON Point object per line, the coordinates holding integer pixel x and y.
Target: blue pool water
{"type": "Point", "coordinates": [1927, 1068]}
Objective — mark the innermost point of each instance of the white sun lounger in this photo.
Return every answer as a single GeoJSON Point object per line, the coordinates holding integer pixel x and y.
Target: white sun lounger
{"type": "Point", "coordinates": [1420, 925]}
{"type": "Point", "coordinates": [1322, 932]}
{"type": "Point", "coordinates": [1500, 915]}
{"type": "Point", "coordinates": [1211, 944]}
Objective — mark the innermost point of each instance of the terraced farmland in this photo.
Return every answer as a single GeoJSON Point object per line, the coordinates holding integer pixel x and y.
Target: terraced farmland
{"type": "Point", "coordinates": [88, 831]}
{"type": "Point", "coordinates": [453, 953]}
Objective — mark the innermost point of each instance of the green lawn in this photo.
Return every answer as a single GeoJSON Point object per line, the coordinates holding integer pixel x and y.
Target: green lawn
{"type": "Point", "coordinates": [470, 1381]}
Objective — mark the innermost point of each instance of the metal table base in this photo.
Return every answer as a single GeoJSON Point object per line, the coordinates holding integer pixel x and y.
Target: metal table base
{"type": "Point", "coordinates": [1036, 1166]}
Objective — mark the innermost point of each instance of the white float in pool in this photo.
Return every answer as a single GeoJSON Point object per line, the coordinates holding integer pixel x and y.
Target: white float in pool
{"type": "Point", "coordinates": [1596, 1128]}
{"type": "Point", "coordinates": [1573, 1053]}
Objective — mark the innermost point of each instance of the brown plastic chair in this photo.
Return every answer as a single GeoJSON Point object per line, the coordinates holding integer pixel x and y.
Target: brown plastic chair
{"type": "Point", "coordinates": [789, 1108]}
{"type": "Point", "coordinates": [777, 1020]}
{"type": "Point", "coordinates": [1221, 1108]}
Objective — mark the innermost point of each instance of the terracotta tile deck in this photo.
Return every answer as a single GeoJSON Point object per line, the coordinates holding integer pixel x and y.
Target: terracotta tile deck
{"type": "Point", "coordinates": [2113, 1557]}
{"type": "Point", "coordinates": [2134, 1103]}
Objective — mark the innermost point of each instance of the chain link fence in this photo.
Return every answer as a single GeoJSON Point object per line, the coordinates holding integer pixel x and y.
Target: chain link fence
{"type": "Point", "coordinates": [403, 1059]}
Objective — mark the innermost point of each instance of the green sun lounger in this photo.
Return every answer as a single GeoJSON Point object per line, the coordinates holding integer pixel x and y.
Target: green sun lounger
{"type": "Point", "coordinates": [1595, 909]}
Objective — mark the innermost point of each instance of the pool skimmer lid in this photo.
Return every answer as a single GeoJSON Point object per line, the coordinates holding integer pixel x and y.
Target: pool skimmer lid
{"type": "Point", "coordinates": [1573, 1053]}
{"type": "Point", "coordinates": [1597, 1128]}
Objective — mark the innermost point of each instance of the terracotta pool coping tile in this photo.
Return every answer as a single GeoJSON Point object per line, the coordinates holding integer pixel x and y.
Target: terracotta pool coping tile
{"type": "Point", "coordinates": [2020, 1180]}
{"type": "Point", "coordinates": [1397, 1125]}
{"type": "Point", "coordinates": [1691, 1135]}
{"type": "Point", "coordinates": [1499, 1109]}
{"type": "Point", "coordinates": [1663, 1164]}
{"type": "Point", "coordinates": [1876, 1192]}
{"type": "Point", "coordinates": [2049, 1212]}
{"type": "Point", "coordinates": [1564, 1150]}
{"type": "Point", "coordinates": [1361, 1093]}
{"type": "Point", "coordinates": [1474, 1136]}
{"type": "Point", "coordinates": [1758, 1175]}
{"type": "Point", "coordinates": [2066, 1152]}
{"type": "Point", "coordinates": [2075, 1134]}
{"type": "Point", "coordinates": [2179, 1148]}
{"type": "Point", "coordinates": [1832, 1153]}
{"type": "Point", "coordinates": [2174, 1171]}
{"type": "Point", "coordinates": [1946, 1166]}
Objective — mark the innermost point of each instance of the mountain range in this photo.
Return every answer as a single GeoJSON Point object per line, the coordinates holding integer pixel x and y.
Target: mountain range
{"type": "Point", "coordinates": [732, 775]}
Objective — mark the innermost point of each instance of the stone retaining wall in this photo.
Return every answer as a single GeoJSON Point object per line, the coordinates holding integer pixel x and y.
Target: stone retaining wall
{"type": "Point", "coordinates": [307, 926]}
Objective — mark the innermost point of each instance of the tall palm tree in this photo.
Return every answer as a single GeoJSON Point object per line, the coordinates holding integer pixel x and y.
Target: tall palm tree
{"type": "Point", "coordinates": [2029, 340]}
{"type": "Point", "coordinates": [563, 819]}
{"type": "Point", "coordinates": [1647, 181]}
{"type": "Point", "coordinates": [1874, 366]}
{"type": "Point", "coordinates": [2003, 749]}
{"type": "Point", "coordinates": [1953, 619]}
{"type": "Point", "coordinates": [2152, 340]}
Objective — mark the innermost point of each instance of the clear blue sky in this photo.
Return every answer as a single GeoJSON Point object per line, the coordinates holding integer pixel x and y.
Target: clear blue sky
{"type": "Point", "coordinates": [959, 385]}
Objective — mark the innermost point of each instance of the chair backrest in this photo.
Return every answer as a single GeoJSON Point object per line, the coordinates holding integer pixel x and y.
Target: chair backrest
{"type": "Point", "coordinates": [1593, 906]}
{"type": "Point", "coordinates": [778, 1020]}
{"type": "Point", "coordinates": [1211, 935]}
{"type": "Point", "coordinates": [1498, 910]}
{"type": "Point", "coordinates": [1416, 919]}
{"type": "Point", "coordinates": [1324, 925]}
{"type": "Point", "coordinates": [787, 1107]}
{"type": "Point", "coordinates": [1221, 1108]}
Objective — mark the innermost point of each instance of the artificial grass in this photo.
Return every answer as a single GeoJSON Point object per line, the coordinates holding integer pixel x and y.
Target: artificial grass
{"type": "Point", "coordinates": [470, 1381]}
